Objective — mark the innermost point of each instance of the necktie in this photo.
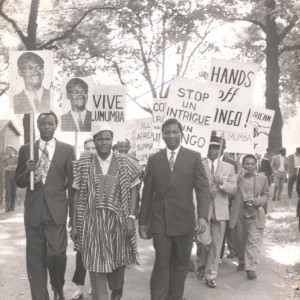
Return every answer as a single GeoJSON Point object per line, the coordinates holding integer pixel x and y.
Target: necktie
{"type": "Point", "coordinates": [43, 165]}
{"type": "Point", "coordinates": [212, 169]}
{"type": "Point", "coordinates": [80, 123]}
{"type": "Point", "coordinates": [171, 160]}
{"type": "Point", "coordinates": [36, 102]}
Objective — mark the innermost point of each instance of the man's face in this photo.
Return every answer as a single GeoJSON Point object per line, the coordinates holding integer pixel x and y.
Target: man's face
{"type": "Point", "coordinates": [47, 127]}
{"type": "Point", "coordinates": [33, 74]}
{"type": "Point", "coordinates": [103, 142]}
{"type": "Point", "coordinates": [172, 136]}
{"type": "Point", "coordinates": [78, 97]}
{"type": "Point", "coordinates": [9, 152]}
{"type": "Point", "coordinates": [283, 152]}
{"type": "Point", "coordinates": [213, 152]}
{"type": "Point", "coordinates": [249, 165]}
{"type": "Point", "coordinates": [89, 147]}
{"type": "Point", "coordinates": [123, 147]}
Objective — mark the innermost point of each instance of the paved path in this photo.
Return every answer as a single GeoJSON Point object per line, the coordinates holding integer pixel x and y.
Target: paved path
{"type": "Point", "coordinates": [273, 282]}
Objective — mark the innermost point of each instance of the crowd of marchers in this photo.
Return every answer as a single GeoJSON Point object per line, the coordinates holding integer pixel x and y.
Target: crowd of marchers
{"type": "Point", "coordinates": [185, 199]}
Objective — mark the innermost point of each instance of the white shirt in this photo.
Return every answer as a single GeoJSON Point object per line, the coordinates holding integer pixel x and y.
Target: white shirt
{"type": "Point", "coordinates": [31, 95]}
{"type": "Point", "coordinates": [281, 166]}
{"type": "Point", "coordinates": [169, 153]}
{"type": "Point", "coordinates": [297, 161]}
{"type": "Point", "coordinates": [104, 164]}
{"type": "Point", "coordinates": [210, 162]}
{"type": "Point", "coordinates": [75, 116]}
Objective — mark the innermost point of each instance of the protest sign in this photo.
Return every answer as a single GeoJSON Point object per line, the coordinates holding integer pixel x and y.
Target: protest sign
{"type": "Point", "coordinates": [238, 142]}
{"type": "Point", "coordinates": [77, 104]}
{"type": "Point", "coordinates": [144, 139]}
{"type": "Point", "coordinates": [193, 103]}
{"type": "Point", "coordinates": [109, 104]}
{"type": "Point", "coordinates": [236, 118]}
{"type": "Point", "coordinates": [262, 119]}
{"type": "Point", "coordinates": [31, 81]}
{"type": "Point", "coordinates": [236, 80]}
{"type": "Point", "coordinates": [158, 116]}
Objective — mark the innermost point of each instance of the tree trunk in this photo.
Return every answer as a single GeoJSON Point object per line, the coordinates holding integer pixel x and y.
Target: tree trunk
{"type": "Point", "coordinates": [272, 82]}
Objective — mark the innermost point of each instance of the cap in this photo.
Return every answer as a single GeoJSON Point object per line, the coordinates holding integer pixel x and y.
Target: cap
{"type": "Point", "coordinates": [100, 126]}
{"type": "Point", "coordinates": [216, 140]}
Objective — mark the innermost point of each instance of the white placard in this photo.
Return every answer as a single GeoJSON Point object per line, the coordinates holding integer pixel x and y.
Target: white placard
{"type": "Point", "coordinates": [236, 80]}
{"type": "Point", "coordinates": [193, 103]}
{"type": "Point", "coordinates": [31, 81]}
{"type": "Point", "coordinates": [262, 120]}
{"type": "Point", "coordinates": [109, 104]}
{"type": "Point", "coordinates": [144, 140]}
{"type": "Point", "coordinates": [77, 103]}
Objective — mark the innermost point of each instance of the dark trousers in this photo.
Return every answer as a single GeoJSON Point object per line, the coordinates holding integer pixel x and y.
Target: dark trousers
{"type": "Point", "coordinates": [115, 279]}
{"type": "Point", "coordinates": [10, 190]}
{"type": "Point", "coordinates": [291, 182]}
{"type": "Point", "coordinates": [172, 257]}
{"type": "Point", "coordinates": [46, 250]}
{"type": "Point", "coordinates": [80, 272]}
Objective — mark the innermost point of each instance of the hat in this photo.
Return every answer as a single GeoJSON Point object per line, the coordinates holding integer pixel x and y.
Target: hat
{"type": "Point", "coordinates": [100, 126]}
{"type": "Point", "coordinates": [216, 140]}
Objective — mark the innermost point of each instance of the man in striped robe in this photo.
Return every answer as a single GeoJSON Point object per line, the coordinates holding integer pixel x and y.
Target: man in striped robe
{"type": "Point", "coordinates": [104, 212]}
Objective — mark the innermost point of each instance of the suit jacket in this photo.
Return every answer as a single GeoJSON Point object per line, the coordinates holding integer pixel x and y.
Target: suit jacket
{"type": "Point", "coordinates": [260, 190]}
{"type": "Point", "coordinates": [23, 106]}
{"type": "Point", "coordinates": [291, 159]}
{"type": "Point", "coordinates": [68, 123]}
{"type": "Point", "coordinates": [167, 198]}
{"type": "Point", "coordinates": [265, 166]}
{"type": "Point", "coordinates": [53, 190]}
{"type": "Point", "coordinates": [221, 202]}
{"type": "Point", "coordinates": [232, 162]}
{"type": "Point", "coordinates": [275, 164]}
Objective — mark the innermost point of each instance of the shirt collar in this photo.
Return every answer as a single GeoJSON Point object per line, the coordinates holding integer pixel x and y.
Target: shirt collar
{"type": "Point", "coordinates": [76, 114]}
{"type": "Point", "coordinates": [51, 143]}
{"type": "Point", "coordinates": [169, 151]}
{"type": "Point", "coordinates": [108, 159]}
{"type": "Point", "coordinates": [38, 93]}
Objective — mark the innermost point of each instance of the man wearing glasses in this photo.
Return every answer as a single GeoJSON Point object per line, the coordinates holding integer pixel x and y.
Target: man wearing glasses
{"type": "Point", "coordinates": [34, 98]}
{"type": "Point", "coordinates": [78, 118]}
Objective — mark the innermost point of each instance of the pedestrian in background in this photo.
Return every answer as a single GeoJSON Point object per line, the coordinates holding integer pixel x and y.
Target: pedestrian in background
{"type": "Point", "coordinates": [280, 167]}
{"type": "Point", "coordinates": [247, 216]}
{"type": "Point", "coordinates": [9, 166]}
{"type": "Point", "coordinates": [294, 164]}
{"type": "Point", "coordinates": [221, 177]}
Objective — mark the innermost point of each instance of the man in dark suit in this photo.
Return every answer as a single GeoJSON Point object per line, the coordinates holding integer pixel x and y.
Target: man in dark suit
{"type": "Point", "coordinates": [78, 118]}
{"type": "Point", "coordinates": [34, 98]}
{"type": "Point", "coordinates": [294, 163]}
{"type": "Point", "coordinates": [46, 207]}
{"type": "Point", "coordinates": [167, 211]}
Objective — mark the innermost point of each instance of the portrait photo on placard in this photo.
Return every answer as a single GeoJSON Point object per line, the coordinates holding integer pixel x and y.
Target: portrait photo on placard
{"type": "Point", "coordinates": [31, 84]}
{"type": "Point", "coordinates": [76, 104]}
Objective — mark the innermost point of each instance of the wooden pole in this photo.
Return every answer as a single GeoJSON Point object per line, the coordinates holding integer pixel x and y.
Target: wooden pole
{"type": "Point", "coordinates": [31, 146]}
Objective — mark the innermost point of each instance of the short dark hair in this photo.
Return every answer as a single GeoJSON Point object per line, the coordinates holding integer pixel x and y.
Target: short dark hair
{"type": "Point", "coordinates": [25, 57]}
{"type": "Point", "coordinates": [249, 156]}
{"type": "Point", "coordinates": [171, 122]}
{"type": "Point", "coordinates": [125, 141]}
{"type": "Point", "coordinates": [87, 141]}
{"type": "Point", "coordinates": [75, 82]}
{"type": "Point", "coordinates": [51, 113]}
{"type": "Point", "coordinates": [111, 133]}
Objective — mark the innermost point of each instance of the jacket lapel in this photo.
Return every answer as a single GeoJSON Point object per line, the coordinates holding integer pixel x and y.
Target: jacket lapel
{"type": "Point", "coordinates": [54, 162]}
{"type": "Point", "coordinates": [208, 171]}
{"type": "Point", "coordinates": [164, 163]}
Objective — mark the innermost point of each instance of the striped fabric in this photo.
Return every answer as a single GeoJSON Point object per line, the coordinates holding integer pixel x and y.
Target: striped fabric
{"type": "Point", "coordinates": [102, 211]}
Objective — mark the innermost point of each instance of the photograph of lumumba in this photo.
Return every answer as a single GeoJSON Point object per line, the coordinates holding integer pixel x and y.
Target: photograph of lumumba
{"type": "Point", "coordinates": [76, 115]}
{"type": "Point", "coordinates": [30, 88]}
